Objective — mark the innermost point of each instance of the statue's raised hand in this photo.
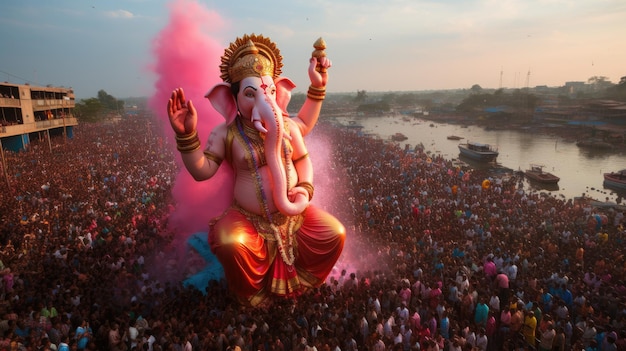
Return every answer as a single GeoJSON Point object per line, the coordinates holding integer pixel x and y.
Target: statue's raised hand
{"type": "Point", "coordinates": [182, 114]}
{"type": "Point", "coordinates": [318, 68]}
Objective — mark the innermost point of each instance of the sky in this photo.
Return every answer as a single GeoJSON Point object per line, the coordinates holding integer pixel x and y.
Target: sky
{"type": "Point", "coordinates": [374, 45]}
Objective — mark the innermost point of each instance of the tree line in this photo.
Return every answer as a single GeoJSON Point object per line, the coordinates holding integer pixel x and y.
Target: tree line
{"type": "Point", "coordinates": [477, 98]}
{"type": "Point", "coordinates": [97, 108]}
{"type": "Point", "coordinates": [105, 105]}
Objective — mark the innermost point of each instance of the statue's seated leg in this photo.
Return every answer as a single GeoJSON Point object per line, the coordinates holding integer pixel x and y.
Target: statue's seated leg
{"type": "Point", "coordinates": [243, 254]}
{"type": "Point", "coordinates": [320, 243]}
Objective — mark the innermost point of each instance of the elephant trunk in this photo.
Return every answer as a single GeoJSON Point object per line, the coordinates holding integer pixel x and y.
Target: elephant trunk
{"type": "Point", "coordinates": [274, 155]}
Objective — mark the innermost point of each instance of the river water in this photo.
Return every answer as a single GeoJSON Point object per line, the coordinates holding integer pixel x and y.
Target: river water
{"type": "Point", "coordinates": [580, 170]}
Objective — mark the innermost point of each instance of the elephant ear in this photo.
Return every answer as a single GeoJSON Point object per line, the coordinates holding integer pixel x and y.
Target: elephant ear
{"type": "Point", "coordinates": [223, 101]}
{"type": "Point", "coordinates": [284, 86]}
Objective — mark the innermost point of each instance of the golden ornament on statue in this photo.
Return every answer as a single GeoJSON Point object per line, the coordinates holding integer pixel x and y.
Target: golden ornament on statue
{"type": "Point", "coordinates": [320, 46]}
{"type": "Point", "coordinates": [251, 55]}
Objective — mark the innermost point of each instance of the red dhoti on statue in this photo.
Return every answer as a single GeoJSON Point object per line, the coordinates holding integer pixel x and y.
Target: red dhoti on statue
{"type": "Point", "coordinates": [282, 258]}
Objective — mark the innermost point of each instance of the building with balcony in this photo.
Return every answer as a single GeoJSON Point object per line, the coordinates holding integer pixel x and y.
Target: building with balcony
{"type": "Point", "coordinates": [31, 112]}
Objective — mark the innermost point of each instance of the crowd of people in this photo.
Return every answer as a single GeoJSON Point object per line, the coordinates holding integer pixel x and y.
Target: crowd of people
{"type": "Point", "coordinates": [436, 257]}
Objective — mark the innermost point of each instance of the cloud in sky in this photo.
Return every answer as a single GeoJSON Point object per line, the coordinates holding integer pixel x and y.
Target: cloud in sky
{"type": "Point", "coordinates": [375, 45]}
{"type": "Point", "coordinates": [119, 14]}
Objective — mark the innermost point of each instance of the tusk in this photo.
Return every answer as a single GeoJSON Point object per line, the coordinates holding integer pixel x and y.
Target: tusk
{"type": "Point", "coordinates": [259, 126]}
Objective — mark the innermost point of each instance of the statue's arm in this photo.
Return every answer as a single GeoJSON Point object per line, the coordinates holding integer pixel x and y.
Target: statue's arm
{"type": "Point", "coordinates": [310, 111]}
{"type": "Point", "coordinates": [302, 163]}
{"type": "Point", "coordinates": [203, 164]}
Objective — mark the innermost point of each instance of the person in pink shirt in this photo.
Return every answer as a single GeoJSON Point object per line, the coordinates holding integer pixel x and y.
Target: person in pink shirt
{"type": "Point", "coordinates": [491, 327]}
{"type": "Point", "coordinates": [415, 321]}
{"type": "Point", "coordinates": [7, 280]}
{"type": "Point", "coordinates": [489, 268]}
{"type": "Point", "coordinates": [435, 295]}
{"type": "Point", "coordinates": [405, 292]}
{"type": "Point", "coordinates": [501, 284]}
{"type": "Point", "coordinates": [505, 321]}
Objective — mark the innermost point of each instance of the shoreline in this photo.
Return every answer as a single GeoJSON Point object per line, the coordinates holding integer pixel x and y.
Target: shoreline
{"type": "Point", "coordinates": [611, 133]}
{"type": "Point", "coordinates": [571, 133]}
{"type": "Point", "coordinates": [572, 185]}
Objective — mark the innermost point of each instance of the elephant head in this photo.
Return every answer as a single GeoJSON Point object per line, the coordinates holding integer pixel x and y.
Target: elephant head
{"type": "Point", "coordinates": [263, 100]}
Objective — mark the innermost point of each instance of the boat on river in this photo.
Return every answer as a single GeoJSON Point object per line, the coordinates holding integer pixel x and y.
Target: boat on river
{"type": "Point", "coordinates": [399, 137]}
{"type": "Point", "coordinates": [537, 174]}
{"type": "Point", "coordinates": [479, 151]}
{"type": "Point", "coordinates": [354, 125]}
{"type": "Point", "coordinates": [615, 180]}
{"type": "Point", "coordinates": [594, 144]}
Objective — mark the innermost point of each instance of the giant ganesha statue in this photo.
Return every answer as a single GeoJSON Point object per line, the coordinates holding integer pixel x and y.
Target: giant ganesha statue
{"type": "Point", "coordinates": [271, 241]}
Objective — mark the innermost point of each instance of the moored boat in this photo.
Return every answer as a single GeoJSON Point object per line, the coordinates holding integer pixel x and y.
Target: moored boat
{"type": "Point", "coordinates": [478, 151]}
{"type": "Point", "coordinates": [594, 144]}
{"type": "Point", "coordinates": [606, 205]}
{"type": "Point", "coordinates": [454, 137]}
{"type": "Point", "coordinates": [399, 137]}
{"type": "Point", "coordinates": [354, 124]}
{"type": "Point", "coordinates": [537, 174]}
{"type": "Point", "coordinates": [616, 179]}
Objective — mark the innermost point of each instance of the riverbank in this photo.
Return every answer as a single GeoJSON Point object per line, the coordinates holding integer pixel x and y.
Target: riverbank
{"type": "Point", "coordinates": [612, 134]}
{"type": "Point", "coordinates": [581, 170]}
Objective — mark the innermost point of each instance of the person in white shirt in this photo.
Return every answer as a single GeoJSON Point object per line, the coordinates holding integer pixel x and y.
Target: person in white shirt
{"type": "Point", "coordinates": [463, 283]}
{"type": "Point", "coordinates": [512, 272]}
{"type": "Point", "coordinates": [133, 334]}
{"type": "Point", "coordinates": [481, 340]}
{"type": "Point", "coordinates": [494, 302]}
{"type": "Point", "coordinates": [403, 313]}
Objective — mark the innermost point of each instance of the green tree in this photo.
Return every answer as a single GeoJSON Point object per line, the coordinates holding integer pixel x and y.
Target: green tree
{"type": "Point", "coordinates": [519, 99]}
{"type": "Point", "coordinates": [476, 89]}
{"type": "Point", "coordinates": [406, 99]}
{"type": "Point", "coordinates": [475, 102]}
{"type": "Point", "coordinates": [109, 102]}
{"type": "Point", "coordinates": [599, 83]}
{"type": "Point", "coordinates": [361, 95]}
{"type": "Point", "coordinates": [389, 98]}
{"type": "Point", "coordinates": [89, 110]}
{"type": "Point", "coordinates": [618, 91]}
{"type": "Point", "coordinates": [374, 108]}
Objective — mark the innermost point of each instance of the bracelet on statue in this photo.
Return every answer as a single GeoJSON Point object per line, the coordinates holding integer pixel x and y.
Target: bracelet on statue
{"type": "Point", "coordinates": [212, 157]}
{"type": "Point", "coordinates": [188, 143]}
{"type": "Point", "coordinates": [308, 187]}
{"type": "Point", "coordinates": [301, 158]}
{"type": "Point", "coordinates": [316, 93]}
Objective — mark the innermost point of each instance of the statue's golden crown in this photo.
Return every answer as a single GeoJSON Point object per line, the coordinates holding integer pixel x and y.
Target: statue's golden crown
{"type": "Point", "coordinates": [250, 56]}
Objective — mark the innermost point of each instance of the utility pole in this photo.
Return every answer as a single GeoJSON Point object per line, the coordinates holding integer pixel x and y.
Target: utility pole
{"type": "Point", "coordinates": [4, 166]}
{"type": "Point", "coordinates": [527, 93]}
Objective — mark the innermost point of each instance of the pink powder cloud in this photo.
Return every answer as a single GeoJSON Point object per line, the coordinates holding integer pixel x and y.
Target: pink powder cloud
{"type": "Point", "coordinates": [188, 56]}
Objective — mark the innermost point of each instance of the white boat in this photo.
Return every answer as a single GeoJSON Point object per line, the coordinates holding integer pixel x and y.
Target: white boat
{"type": "Point", "coordinates": [537, 174]}
{"type": "Point", "coordinates": [478, 151]}
{"type": "Point", "coordinates": [616, 180]}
